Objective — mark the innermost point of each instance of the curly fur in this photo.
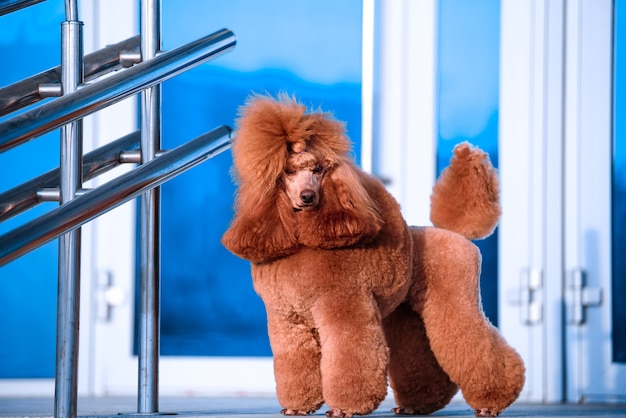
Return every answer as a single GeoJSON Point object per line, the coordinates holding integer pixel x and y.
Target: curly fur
{"type": "Point", "coordinates": [466, 197]}
{"type": "Point", "coordinates": [353, 295]}
{"type": "Point", "coordinates": [265, 228]}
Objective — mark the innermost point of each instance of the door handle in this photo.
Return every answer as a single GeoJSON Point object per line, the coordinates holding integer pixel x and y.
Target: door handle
{"type": "Point", "coordinates": [528, 296]}
{"type": "Point", "coordinates": [110, 296]}
{"type": "Point", "coordinates": [581, 297]}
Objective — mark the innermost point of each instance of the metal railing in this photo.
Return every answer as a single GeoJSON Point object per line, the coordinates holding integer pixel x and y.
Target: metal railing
{"type": "Point", "coordinates": [95, 96]}
{"type": "Point", "coordinates": [9, 6]}
{"type": "Point", "coordinates": [77, 99]}
{"type": "Point", "coordinates": [31, 193]}
{"type": "Point", "coordinates": [118, 191]}
{"type": "Point", "coordinates": [48, 83]}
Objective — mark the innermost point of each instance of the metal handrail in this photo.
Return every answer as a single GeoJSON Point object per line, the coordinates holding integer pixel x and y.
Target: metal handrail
{"type": "Point", "coordinates": [96, 202]}
{"type": "Point", "coordinates": [11, 6]}
{"type": "Point", "coordinates": [110, 58]}
{"type": "Point", "coordinates": [98, 95]}
{"type": "Point", "coordinates": [25, 196]}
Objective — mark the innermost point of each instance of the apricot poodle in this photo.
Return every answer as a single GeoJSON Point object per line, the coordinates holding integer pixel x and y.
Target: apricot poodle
{"type": "Point", "coordinates": [353, 295]}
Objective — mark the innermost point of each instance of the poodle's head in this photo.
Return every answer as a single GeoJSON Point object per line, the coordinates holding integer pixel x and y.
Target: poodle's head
{"type": "Point", "coordinates": [297, 183]}
{"type": "Point", "coordinates": [302, 179]}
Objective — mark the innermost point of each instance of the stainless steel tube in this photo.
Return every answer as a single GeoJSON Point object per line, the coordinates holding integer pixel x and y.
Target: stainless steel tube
{"type": "Point", "coordinates": [26, 92]}
{"type": "Point", "coordinates": [94, 203]}
{"type": "Point", "coordinates": [102, 93]}
{"type": "Point", "coordinates": [71, 10]}
{"type": "Point", "coordinates": [23, 197]}
{"type": "Point", "coordinates": [10, 6]}
{"type": "Point", "coordinates": [68, 293]}
{"type": "Point", "coordinates": [149, 223]}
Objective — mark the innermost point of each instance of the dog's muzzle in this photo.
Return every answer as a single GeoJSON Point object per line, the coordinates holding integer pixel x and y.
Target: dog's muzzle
{"type": "Point", "coordinates": [308, 200]}
{"type": "Point", "coordinates": [308, 197]}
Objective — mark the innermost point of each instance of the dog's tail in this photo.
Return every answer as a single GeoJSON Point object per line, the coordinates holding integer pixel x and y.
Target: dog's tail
{"type": "Point", "coordinates": [465, 198]}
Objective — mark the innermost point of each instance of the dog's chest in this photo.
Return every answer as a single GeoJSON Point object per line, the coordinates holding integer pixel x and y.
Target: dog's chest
{"type": "Point", "coordinates": [306, 276]}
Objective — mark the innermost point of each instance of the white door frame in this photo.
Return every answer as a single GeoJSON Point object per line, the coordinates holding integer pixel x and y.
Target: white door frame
{"type": "Point", "coordinates": [108, 256]}
{"type": "Point", "coordinates": [531, 161]}
{"type": "Point", "coordinates": [555, 154]}
{"type": "Point", "coordinates": [404, 104]}
{"type": "Point", "coordinates": [591, 374]}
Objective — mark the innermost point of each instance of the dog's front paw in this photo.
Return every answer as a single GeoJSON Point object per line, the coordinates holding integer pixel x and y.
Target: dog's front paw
{"type": "Point", "coordinates": [486, 412]}
{"type": "Point", "coordinates": [404, 411]}
{"type": "Point", "coordinates": [295, 412]}
{"type": "Point", "coordinates": [336, 412]}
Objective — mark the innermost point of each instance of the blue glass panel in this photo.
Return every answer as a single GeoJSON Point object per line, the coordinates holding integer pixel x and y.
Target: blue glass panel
{"type": "Point", "coordinates": [30, 42]}
{"type": "Point", "coordinates": [311, 49]}
{"type": "Point", "coordinates": [468, 73]}
{"type": "Point", "coordinates": [619, 185]}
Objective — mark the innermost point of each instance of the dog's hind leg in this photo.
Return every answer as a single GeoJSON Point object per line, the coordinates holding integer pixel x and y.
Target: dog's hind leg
{"type": "Point", "coordinates": [296, 351]}
{"type": "Point", "coordinates": [469, 349]}
{"type": "Point", "coordinates": [419, 384]}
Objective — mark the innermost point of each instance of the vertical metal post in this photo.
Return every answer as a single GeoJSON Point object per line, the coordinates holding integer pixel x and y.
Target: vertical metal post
{"type": "Point", "coordinates": [68, 294]}
{"type": "Point", "coordinates": [150, 211]}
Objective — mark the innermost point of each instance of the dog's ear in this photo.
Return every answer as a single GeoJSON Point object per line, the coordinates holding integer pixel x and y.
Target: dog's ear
{"type": "Point", "coordinates": [346, 214]}
{"type": "Point", "coordinates": [263, 227]}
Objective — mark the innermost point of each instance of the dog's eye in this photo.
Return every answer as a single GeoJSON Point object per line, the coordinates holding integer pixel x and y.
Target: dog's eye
{"type": "Point", "coordinates": [289, 171]}
{"type": "Point", "coordinates": [317, 169]}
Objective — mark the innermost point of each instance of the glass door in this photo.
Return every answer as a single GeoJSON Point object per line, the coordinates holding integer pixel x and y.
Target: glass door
{"type": "Point", "coordinates": [561, 162]}
{"type": "Point", "coordinates": [595, 195]}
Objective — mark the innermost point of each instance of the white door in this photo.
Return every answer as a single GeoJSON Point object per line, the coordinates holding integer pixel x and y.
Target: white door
{"type": "Point", "coordinates": [531, 163]}
{"type": "Point", "coordinates": [593, 370]}
{"type": "Point", "coordinates": [556, 139]}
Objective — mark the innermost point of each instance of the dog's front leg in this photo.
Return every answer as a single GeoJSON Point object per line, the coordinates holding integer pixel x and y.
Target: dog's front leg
{"type": "Point", "coordinates": [354, 354]}
{"type": "Point", "coordinates": [296, 350]}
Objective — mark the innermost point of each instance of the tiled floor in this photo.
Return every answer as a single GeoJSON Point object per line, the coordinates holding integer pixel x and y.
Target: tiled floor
{"type": "Point", "coordinates": [268, 408]}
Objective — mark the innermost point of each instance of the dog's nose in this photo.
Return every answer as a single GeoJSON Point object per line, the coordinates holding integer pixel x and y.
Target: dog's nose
{"type": "Point", "coordinates": [307, 196]}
